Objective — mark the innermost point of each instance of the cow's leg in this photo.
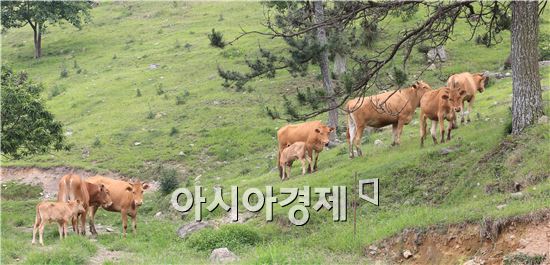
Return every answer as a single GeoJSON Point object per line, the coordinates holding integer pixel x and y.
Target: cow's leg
{"type": "Point", "coordinates": [288, 171]}
{"type": "Point", "coordinates": [60, 229]}
{"type": "Point", "coordinates": [83, 221]}
{"type": "Point", "coordinates": [316, 159]}
{"type": "Point", "coordinates": [394, 134]}
{"type": "Point", "coordinates": [279, 161]}
{"type": "Point", "coordinates": [357, 140]}
{"type": "Point", "coordinates": [74, 223]}
{"type": "Point", "coordinates": [41, 233]}
{"type": "Point", "coordinates": [92, 210]}
{"type": "Point", "coordinates": [284, 171]}
{"type": "Point", "coordinates": [398, 131]}
{"type": "Point", "coordinates": [433, 131]}
{"type": "Point", "coordinates": [470, 106]}
{"type": "Point", "coordinates": [309, 151]}
{"type": "Point", "coordinates": [422, 129]}
{"type": "Point", "coordinates": [124, 222]}
{"type": "Point", "coordinates": [35, 229]}
{"type": "Point", "coordinates": [449, 128]}
{"type": "Point", "coordinates": [303, 160]}
{"type": "Point", "coordinates": [65, 229]}
{"type": "Point", "coordinates": [441, 121]}
{"type": "Point", "coordinates": [309, 164]}
{"type": "Point", "coordinates": [134, 222]}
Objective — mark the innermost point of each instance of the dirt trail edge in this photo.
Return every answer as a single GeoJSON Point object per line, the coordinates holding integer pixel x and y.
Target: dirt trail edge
{"type": "Point", "coordinates": [511, 240]}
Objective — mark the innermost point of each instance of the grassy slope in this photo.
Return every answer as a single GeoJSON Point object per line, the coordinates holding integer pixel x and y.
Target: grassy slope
{"type": "Point", "coordinates": [419, 187]}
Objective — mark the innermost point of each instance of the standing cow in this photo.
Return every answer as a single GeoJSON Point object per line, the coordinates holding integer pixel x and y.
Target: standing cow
{"type": "Point", "coordinates": [470, 83]}
{"type": "Point", "coordinates": [60, 212]}
{"type": "Point", "coordinates": [126, 196]}
{"type": "Point", "coordinates": [72, 187]}
{"type": "Point", "coordinates": [314, 133]}
{"type": "Point", "coordinates": [395, 108]}
{"type": "Point", "coordinates": [439, 105]}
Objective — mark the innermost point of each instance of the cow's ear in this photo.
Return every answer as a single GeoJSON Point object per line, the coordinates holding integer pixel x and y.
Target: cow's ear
{"type": "Point", "coordinates": [445, 96]}
{"type": "Point", "coordinates": [462, 92]}
{"type": "Point", "coordinates": [415, 85]}
{"type": "Point", "coordinates": [77, 201]}
{"type": "Point", "coordinates": [317, 130]}
{"type": "Point", "coordinates": [129, 188]}
{"type": "Point", "coordinates": [145, 186]}
{"type": "Point", "coordinates": [331, 129]}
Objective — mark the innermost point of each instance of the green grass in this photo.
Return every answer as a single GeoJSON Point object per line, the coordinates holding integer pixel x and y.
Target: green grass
{"type": "Point", "coordinates": [225, 138]}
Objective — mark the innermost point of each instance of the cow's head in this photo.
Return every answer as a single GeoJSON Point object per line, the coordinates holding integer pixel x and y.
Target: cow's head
{"type": "Point", "coordinates": [453, 97]}
{"type": "Point", "coordinates": [137, 188]}
{"type": "Point", "coordinates": [76, 206]}
{"type": "Point", "coordinates": [481, 81]}
{"type": "Point", "coordinates": [104, 196]}
{"type": "Point", "coordinates": [322, 134]}
{"type": "Point", "coordinates": [420, 87]}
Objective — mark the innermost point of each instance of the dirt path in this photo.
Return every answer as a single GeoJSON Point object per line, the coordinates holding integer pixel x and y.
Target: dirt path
{"type": "Point", "coordinates": [492, 242]}
{"type": "Point", "coordinates": [48, 178]}
{"type": "Point", "coordinates": [104, 255]}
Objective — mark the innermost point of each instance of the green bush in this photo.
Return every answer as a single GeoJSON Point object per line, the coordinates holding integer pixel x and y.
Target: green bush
{"type": "Point", "coordinates": [168, 180]}
{"type": "Point", "coordinates": [216, 39]}
{"type": "Point", "coordinates": [232, 236]}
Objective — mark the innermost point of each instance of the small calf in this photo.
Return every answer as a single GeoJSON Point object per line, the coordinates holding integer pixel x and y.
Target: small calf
{"type": "Point", "coordinates": [60, 212]}
{"type": "Point", "coordinates": [293, 152]}
{"type": "Point", "coordinates": [439, 105]}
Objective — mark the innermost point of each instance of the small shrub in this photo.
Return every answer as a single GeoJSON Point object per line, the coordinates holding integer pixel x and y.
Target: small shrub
{"type": "Point", "coordinates": [97, 142]}
{"type": "Point", "coordinates": [56, 91]}
{"type": "Point", "coordinates": [423, 48]}
{"type": "Point", "coordinates": [220, 18]}
{"type": "Point", "coordinates": [150, 115]}
{"type": "Point", "coordinates": [187, 46]}
{"type": "Point", "coordinates": [233, 236]}
{"type": "Point", "coordinates": [75, 65]}
{"type": "Point", "coordinates": [160, 91]}
{"type": "Point", "coordinates": [174, 131]}
{"type": "Point", "coordinates": [168, 180]}
{"type": "Point", "coordinates": [138, 92]}
{"type": "Point", "coordinates": [178, 45]}
{"type": "Point", "coordinates": [483, 40]}
{"type": "Point", "coordinates": [114, 57]}
{"type": "Point", "coordinates": [180, 99]}
{"type": "Point", "coordinates": [64, 72]}
{"type": "Point", "coordinates": [216, 39]}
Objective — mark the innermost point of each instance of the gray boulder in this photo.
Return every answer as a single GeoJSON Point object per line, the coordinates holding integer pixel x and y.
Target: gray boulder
{"type": "Point", "coordinates": [187, 229]}
{"type": "Point", "coordinates": [222, 256]}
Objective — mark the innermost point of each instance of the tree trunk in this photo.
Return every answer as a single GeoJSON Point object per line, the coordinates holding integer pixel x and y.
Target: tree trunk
{"type": "Point", "coordinates": [527, 93]}
{"type": "Point", "coordinates": [339, 65]}
{"type": "Point", "coordinates": [324, 65]}
{"type": "Point", "coordinates": [37, 29]}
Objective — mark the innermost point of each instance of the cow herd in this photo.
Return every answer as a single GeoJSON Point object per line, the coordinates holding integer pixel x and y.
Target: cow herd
{"type": "Point", "coordinates": [78, 198]}
{"type": "Point", "coordinates": [396, 108]}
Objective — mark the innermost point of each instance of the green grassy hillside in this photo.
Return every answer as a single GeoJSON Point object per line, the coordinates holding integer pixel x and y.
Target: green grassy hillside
{"type": "Point", "coordinates": [226, 139]}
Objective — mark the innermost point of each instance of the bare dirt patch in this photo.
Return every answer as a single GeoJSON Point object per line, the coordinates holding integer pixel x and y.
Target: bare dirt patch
{"type": "Point", "coordinates": [48, 178]}
{"type": "Point", "coordinates": [104, 255]}
{"type": "Point", "coordinates": [491, 242]}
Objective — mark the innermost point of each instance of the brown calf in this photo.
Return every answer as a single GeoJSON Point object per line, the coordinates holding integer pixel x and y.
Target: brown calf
{"type": "Point", "coordinates": [381, 110]}
{"type": "Point", "coordinates": [293, 152]}
{"type": "Point", "coordinates": [60, 212]}
{"type": "Point", "coordinates": [470, 83]}
{"type": "Point", "coordinates": [126, 196]}
{"type": "Point", "coordinates": [314, 133]}
{"type": "Point", "coordinates": [439, 105]}
{"type": "Point", "coordinates": [72, 187]}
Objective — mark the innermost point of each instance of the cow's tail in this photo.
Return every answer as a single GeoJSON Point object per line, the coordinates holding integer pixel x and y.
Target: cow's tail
{"type": "Point", "coordinates": [63, 191]}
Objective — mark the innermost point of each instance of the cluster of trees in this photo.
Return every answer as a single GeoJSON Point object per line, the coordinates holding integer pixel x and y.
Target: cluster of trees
{"type": "Point", "coordinates": [317, 31]}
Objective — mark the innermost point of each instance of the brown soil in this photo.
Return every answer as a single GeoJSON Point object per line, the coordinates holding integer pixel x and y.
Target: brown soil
{"type": "Point", "coordinates": [48, 178]}
{"type": "Point", "coordinates": [488, 243]}
{"type": "Point", "coordinates": [103, 255]}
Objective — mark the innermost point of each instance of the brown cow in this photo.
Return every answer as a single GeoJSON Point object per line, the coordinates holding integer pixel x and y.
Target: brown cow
{"type": "Point", "coordinates": [72, 187]}
{"type": "Point", "coordinates": [314, 133]}
{"type": "Point", "coordinates": [293, 152]}
{"type": "Point", "coordinates": [470, 83]}
{"type": "Point", "coordinates": [395, 108]}
{"type": "Point", "coordinates": [60, 212]}
{"type": "Point", "coordinates": [126, 196]}
{"type": "Point", "coordinates": [439, 105]}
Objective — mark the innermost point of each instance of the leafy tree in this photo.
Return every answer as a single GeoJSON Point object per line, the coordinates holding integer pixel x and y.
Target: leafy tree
{"type": "Point", "coordinates": [38, 14]}
{"type": "Point", "coordinates": [27, 127]}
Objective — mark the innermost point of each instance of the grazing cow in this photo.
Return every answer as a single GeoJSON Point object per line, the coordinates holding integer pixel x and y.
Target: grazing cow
{"type": "Point", "coordinates": [126, 196]}
{"type": "Point", "coordinates": [439, 105]}
{"type": "Point", "coordinates": [293, 152]}
{"type": "Point", "coordinates": [60, 212]}
{"type": "Point", "coordinates": [470, 83]}
{"type": "Point", "coordinates": [395, 108]}
{"type": "Point", "coordinates": [72, 187]}
{"type": "Point", "coordinates": [314, 133]}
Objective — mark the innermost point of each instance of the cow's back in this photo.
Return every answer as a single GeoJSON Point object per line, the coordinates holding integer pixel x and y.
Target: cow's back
{"type": "Point", "coordinates": [292, 133]}
{"type": "Point", "coordinates": [120, 197]}
{"type": "Point", "coordinates": [463, 81]}
{"type": "Point", "coordinates": [51, 211]}
{"type": "Point", "coordinates": [72, 187]}
{"type": "Point", "coordinates": [429, 104]}
{"type": "Point", "coordinates": [364, 109]}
